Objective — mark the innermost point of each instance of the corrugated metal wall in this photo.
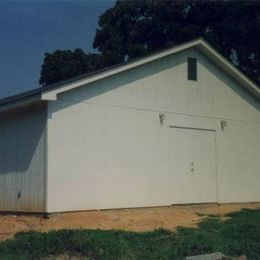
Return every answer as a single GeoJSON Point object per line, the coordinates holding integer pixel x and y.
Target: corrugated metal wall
{"type": "Point", "coordinates": [22, 159]}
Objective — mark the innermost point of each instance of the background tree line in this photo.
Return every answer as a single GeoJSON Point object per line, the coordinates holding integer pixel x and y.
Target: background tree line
{"type": "Point", "coordinates": [135, 28]}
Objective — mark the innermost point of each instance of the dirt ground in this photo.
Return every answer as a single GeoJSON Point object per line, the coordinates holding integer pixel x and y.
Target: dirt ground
{"type": "Point", "coordinates": [142, 219]}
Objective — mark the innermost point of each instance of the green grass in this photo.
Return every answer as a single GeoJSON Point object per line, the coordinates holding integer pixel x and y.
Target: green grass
{"type": "Point", "coordinates": [238, 235]}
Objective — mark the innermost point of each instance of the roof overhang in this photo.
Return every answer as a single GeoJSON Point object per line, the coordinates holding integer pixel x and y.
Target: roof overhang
{"type": "Point", "coordinates": [21, 100]}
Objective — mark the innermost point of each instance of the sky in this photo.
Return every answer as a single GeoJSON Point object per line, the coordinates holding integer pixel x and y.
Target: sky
{"type": "Point", "coordinates": [28, 29]}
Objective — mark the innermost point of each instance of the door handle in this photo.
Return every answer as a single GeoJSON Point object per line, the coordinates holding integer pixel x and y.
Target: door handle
{"type": "Point", "coordinates": [192, 167]}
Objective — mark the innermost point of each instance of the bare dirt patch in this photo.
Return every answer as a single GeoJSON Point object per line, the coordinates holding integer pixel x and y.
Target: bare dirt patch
{"type": "Point", "coordinates": [142, 219]}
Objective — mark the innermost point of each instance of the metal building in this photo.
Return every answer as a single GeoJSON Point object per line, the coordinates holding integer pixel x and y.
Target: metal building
{"type": "Point", "coordinates": [179, 126]}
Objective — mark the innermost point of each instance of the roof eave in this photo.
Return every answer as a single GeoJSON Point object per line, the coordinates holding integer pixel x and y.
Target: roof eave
{"type": "Point", "coordinates": [20, 102]}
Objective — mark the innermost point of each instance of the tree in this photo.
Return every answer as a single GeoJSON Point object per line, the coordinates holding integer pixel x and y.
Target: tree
{"type": "Point", "coordinates": [134, 28]}
{"type": "Point", "coordinates": [138, 27]}
{"type": "Point", "coordinates": [65, 64]}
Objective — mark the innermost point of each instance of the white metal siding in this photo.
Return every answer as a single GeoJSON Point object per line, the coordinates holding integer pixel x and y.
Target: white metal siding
{"type": "Point", "coordinates": [163, 86]}
{"type": "Point", "coordinates": [105, 158]}
{"type": "Point", "coordinates": [22, 160]}
{"type": "Point", "coordinates": [107, 148]}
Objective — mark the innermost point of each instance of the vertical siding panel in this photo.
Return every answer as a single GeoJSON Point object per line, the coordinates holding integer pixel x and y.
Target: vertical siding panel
{"type": "Point", "coordinates": [22, 157]}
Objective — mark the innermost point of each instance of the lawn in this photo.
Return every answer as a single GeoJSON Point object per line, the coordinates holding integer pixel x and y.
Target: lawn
{"type": "Point", "coordinates": [237, 235]}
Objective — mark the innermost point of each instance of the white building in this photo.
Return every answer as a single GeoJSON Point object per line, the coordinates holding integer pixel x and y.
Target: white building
{"type": "Point", "coordinates": [180, 126]}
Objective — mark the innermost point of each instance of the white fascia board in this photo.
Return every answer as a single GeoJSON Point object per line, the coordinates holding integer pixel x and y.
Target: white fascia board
{"type": "Point", "coordinates": [198, 43]}
{"type": "Point", "coordinates": [51, 96]}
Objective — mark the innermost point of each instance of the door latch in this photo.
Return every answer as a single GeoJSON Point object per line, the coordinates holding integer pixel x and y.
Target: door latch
{"type": "Point", "coordinates": [192, 167]}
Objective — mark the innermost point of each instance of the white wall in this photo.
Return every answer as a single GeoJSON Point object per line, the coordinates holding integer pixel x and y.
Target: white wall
{"type": "Point", "coordinates": [107, 148]}
{"type": "Point", "coordinates": [22, 159]}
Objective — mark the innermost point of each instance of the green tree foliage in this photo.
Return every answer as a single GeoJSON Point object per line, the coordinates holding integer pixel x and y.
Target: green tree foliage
{"type": "Point", "coordinates": [138, 27]}
{"type": "Point", "coordinates": [134, 28]}
{"type": "Point", "coordinates": [61, 65]}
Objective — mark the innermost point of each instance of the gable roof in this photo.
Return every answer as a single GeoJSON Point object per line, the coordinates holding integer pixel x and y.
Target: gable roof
{"type": "Point", "coordinates": [50, 92]}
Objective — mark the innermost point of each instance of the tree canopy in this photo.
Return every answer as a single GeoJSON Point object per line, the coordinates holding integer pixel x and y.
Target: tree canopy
{"type": "Point", "coordinates": [64, 64]}
{"type": "Point", "coordinates": [138, 27]}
